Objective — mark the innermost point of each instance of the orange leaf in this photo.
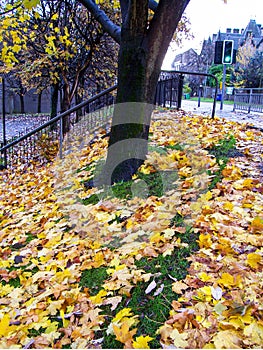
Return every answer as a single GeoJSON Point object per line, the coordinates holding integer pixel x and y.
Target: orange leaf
{"type": "Point", "coordinates": [123, 334]}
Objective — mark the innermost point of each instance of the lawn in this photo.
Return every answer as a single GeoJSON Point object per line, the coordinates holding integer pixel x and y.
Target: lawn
{"type": "Point", "coordinates": [207, 99]}
{"type": "Point", "coordinates": [172, 259]}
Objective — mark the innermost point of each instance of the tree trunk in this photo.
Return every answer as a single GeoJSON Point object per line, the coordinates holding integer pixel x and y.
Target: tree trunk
{"type": "Point", "coordinates": [143, 45]}
{"type": "Point", "coordinates": [39, 96]}
{"type": "Point", "coordinates": [79, 98]}
{"type": "Point", "coordinates": [128, 143]}
{"type": "Point", "coordinates": [54, 100]}
{"type": "Point", "coordinates": [22, 103]}
{"type": "Point", "coordinates": [64, 107]}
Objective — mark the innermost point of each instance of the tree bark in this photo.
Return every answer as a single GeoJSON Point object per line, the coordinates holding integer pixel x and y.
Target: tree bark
{"type": "Point", "coordinates": [143, 46]}
{"type": "Point", "coordinates": [39, 98]}
{"type": "Point", "coordinates": [22, 103]}
{"type": "Point", "coordinates": [128, 143]}
{"type": "Point", "coordinates": [65, 106]}
{"type": "Point", "coordinates": [54, 100]}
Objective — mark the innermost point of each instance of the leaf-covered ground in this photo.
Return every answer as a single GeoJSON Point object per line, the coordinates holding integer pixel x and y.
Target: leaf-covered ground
{"type": "Point", "coordinates": [173, 259]}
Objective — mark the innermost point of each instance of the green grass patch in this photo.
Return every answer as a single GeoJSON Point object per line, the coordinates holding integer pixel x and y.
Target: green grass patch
{"type": "Point", "coordinates": [145, 185]}
{"type": "Point", "coordinates": [154, 310]}
{"type": "Point", "coordinates": [93, 279]}
{"type": "Point", "coordinates": [30, 237]}
{"type": "Point", "coordinates": [177, 146]}
{"type": "Point", "coordinates": [14, 282]}
{"type": "Point", "coordinates": [223, 151]}
{"type": "Point", "coordinates": [207, 99]}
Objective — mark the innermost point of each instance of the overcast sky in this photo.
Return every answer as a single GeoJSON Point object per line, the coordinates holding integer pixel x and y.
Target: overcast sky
{"type": "Point", "coordinates": [208, 16]}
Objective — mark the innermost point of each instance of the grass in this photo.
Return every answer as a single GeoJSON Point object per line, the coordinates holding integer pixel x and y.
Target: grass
{"type": "Point", "coordinates": [144, 185]}
{"type": "Point", "coordinates": [206, 99]}
{"type": "Point", "coordinates": [93, 279]}
{"type": "Point", "coordinates": [151, 310]}
{"type": "Point", "coordinates": [225, 149]}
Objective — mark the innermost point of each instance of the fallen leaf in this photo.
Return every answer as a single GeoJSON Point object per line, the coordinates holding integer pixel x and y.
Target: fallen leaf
{"type": "Point", "coordinates": [179, 287]}
{"type": "Point", "coordinates": [253, 260]}
{"type": "Point", "coordinates": [150, 287]}
{"type": "Point", "coordinates": [217, 293]}
{"type": "Point", "coordinates": [141, 342]}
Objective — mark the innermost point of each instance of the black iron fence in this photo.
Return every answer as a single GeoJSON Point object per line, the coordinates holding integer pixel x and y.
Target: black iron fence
{"type": "Point", "coordinates": [169, 90]}
{"type": "Point", "coordinates": [249, 100]}
{"type": "Point", "coordinates": [44, 142]}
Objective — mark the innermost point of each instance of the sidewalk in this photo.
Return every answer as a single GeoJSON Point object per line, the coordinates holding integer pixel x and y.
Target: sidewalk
{"type": "Point", "coordinates": [205, 108]}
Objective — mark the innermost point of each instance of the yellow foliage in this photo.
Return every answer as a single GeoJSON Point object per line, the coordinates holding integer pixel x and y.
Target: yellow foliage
{"type": "Point", "coordinates": [254, 260]}
{"type": "Point", "coordinates": [205, 241]}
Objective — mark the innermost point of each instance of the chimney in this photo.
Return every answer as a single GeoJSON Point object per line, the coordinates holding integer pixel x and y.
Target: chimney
{"type": "Point", "coordinates": [236, 31]}
{"type": "Point", "coordinates": [228, 30]}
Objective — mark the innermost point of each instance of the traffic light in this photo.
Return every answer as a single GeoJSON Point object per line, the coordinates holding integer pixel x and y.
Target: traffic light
{"type": "Point", "coordinates": [218, 52]}
{"type": "Point", "coordinates": [228, 48]}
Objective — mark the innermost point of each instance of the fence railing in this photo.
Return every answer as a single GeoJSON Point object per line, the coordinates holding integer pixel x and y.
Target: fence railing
{"type": "Point", "coordinates": [169, 90]}
{"type": "Point", "coordinates": [44, 142]}
{"type": "Point", "coordinates": [249, 100]}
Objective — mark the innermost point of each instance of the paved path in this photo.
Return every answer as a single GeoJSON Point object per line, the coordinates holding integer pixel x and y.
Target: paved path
{"type": "Point", "coordinates": [227, 112]}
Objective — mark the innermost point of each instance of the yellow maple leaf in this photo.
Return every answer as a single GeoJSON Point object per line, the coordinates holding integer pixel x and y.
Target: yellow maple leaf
{"type": "Point", "coordinates": [141, 342]}
{"type": "Point", "coordinates": [257, 224]}
{"type": "Point", "coordinates": [253, 260]}
{"type": "Point", "coordinates": [157, 237]}
{"type": "Point", "coordinates": [4, 325]}
{"type": "Point", "coordinates": [204, 241]}
{"type": "Point", "coordinates": [126, 312]}
{"type": "Point", "coordinates": [204, 277]}
{"type": "Point", "coordinates": [124, 334]}
{"type": "Point", "coordinates": [226, 280]}
{"type": "Point", "coordinates": [98, 259]}
{"type": "Point", "coordinates": [228, 206]}
{"type": "Point", "coordinates": [98, 298]}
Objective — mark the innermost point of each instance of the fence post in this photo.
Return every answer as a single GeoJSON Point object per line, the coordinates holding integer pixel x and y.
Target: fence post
{"type": "Point", "coordinates": [250, 100]}
{"type": "Point", "coordinates": [60, 136]}
{"type": "Point", "coordinates": [180, 91]}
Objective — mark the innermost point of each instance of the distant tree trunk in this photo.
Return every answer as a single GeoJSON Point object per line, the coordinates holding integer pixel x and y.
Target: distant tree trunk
{"type": "Point", "coordinates": [21, 93]}
{"type": "Point", "coordinates": [79, 98]}
{"type": "Point", "coordinates": [54, 100]}
{"type": "Point", "coordinates": [66, 100]}
{"type": "Point", "coordinates": [22, 103]}
{"type": "Point", "coordinates": [39, 98]}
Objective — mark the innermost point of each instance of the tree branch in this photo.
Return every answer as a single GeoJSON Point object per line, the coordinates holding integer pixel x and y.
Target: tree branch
{"type": "Point", "coordinates": [111, 28]}
{"type": "Point", "coordinates": [5, 12]}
